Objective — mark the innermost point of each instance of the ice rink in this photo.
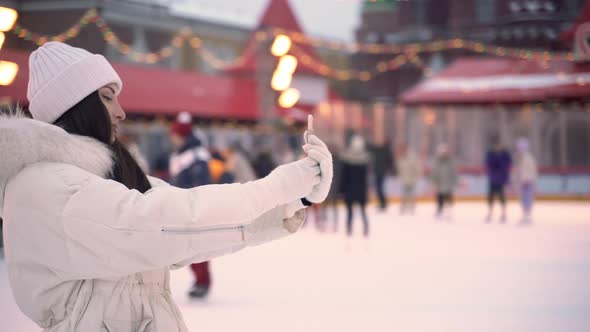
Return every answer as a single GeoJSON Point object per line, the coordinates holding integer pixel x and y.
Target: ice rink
{"type": "Point", "coordinates": [412, 274]}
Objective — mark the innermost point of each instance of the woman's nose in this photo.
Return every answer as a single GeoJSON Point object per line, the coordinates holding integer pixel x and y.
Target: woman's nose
{"type": "Point", "coordinates": [121, 114]}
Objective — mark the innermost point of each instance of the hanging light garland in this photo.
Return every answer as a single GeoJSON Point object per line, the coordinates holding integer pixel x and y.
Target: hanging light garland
{"type": "Point", "coordinates": [428, 47]}
{"type": "Point", "coordinates": [89, 17]}
{"type": "Point", "coordinates": [363, 75]}
{"type": "Point", "coordinates": [185, 35]}
{"type": "Point", "coordinates": [405, 53]}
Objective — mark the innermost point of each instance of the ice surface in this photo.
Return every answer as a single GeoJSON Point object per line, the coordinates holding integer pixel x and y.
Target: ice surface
{"type": "Point", "coordinates": [413, 274]}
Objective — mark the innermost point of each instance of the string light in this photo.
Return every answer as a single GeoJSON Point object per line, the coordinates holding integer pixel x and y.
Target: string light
{"type": "Point", "coordinates": [281, 45]}
{"type": "Point", "coordinates": [289, 98]}
{"type": "Point", "coordinates": [341, 74]}
{"type": "Point", "coordinates": [281, 80]}
{"type": "Point", "coordinates": [8, 71]}
{"type": "Point", "coordinates": [324, 70]}
{"type": "Point", "coordinates": [8, 17]}
{"type": "Point", "coordinates": [432, 46]}
{"type": "Point", "coordinates": [185, 35]}
{"type": "Point", "coordinates": [260, 36]}
{"type": "Point", "coordinates": [287, 64]}
{"type": "Point", "coordinates": [364, 76]}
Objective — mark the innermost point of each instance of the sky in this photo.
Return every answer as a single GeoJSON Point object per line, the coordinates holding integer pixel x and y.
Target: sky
{"type": "Point", "coordinates": [335, 19]}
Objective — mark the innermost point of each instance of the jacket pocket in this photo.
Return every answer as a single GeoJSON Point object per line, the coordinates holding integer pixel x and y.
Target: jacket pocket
{"type": "Point", "coordinates": [112, 325]}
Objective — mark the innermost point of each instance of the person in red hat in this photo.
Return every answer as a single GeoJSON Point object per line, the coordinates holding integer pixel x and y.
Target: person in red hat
{"type": "Point", "coordinates": [188, 168]}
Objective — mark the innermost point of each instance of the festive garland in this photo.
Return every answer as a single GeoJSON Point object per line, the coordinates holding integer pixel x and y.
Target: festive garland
{"type": "Point", "coordinates": [187, 36]}
{"type": "Point", "coordinates": [89, 17]}
{"type": "Point", "coordinates": [428, 47]}
{"type": "Point", "coordinates": [363, 75]}
{"type": "Point", "coordinates": [405, 53]}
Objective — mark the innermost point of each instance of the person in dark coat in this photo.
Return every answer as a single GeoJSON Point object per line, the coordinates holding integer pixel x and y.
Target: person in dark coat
{"type": "Point", "coordinates": [1, 239]}
{"type": "Point", "coordinates": [334, 194]}
{"type": "Point", "coordinates": [382, 165]}
{"type": "Point", "coordinates": [188, 168]}
{"type": "Point", "coordinates": [353, 183]}
{"type": "Point", "coordinates": [263, 163]}
{"type": "Point", "coordinates": [498, 163]}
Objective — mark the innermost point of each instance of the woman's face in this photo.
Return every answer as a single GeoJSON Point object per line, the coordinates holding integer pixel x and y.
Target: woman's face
{"type": "Point", "coordinates": [111, 102]}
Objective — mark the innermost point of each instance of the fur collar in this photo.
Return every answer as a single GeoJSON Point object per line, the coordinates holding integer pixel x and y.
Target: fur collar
{"type": "Point", "coordinates": [24, 141]}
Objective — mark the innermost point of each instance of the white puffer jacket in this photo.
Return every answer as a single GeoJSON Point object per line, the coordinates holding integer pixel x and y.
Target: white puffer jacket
{"type": "Point", "coordinates": [87, 254]}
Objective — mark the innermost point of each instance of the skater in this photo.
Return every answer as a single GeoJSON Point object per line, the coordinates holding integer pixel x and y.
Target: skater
{"type": "Point", "coordinates": [409, 169]}
{"type": "Point", "coordinates": [189, 168]}
{"type": "Point", "coordinates": [498, 163]}
{"type": "Point", "coordinates": [1, 240]}
{"type": "Point", "coordinates": [334, 196]}
{"type": "Point", "coordinates": [238, 164]}
{"type": "Point", "coordinates": [383, 163]}
{"type": "Point", "coordinates": [353, 181]}
{"type": "Point", "coordinates": [444, 178]}
{"type": "Point", "coordinates": [89, 237]}
{"type": "Point", "coordinates": [263, 163]}
{"type": "Point", "coordinates": [525, 175]}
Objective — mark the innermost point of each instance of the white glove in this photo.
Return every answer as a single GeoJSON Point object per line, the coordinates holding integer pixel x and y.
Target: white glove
{"type": "Point", "coordinates": [273, 225]}
{"type": "Point", "coordinates": [292, 181]}
{"type": "Point", "coordinates": [318, 150]}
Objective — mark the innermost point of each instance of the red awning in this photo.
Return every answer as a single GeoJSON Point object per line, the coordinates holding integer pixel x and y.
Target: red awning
{"type": "Point", "coordinates": [160, 91]}
{"type": "Point", "coordinates": [502, 80]}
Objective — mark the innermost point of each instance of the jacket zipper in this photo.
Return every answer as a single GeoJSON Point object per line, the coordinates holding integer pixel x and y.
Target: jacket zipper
{"type": "Point", "coordinates": [187, 230]}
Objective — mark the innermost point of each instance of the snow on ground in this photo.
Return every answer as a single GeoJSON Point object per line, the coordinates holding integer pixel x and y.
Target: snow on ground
{"type": "Point", "coordinates": [414, 273]}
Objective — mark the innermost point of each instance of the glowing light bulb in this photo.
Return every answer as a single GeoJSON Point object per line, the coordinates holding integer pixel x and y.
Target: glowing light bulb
{"type": "Point", "coordinates": [289, 98]}
{"type": "Point", "coordinates": [281, 45]}
{"type": "Point", "coordinates": [287, 64]}
{"type": "Point", "coordinates": [8, 71]}
{"type": "Point", "coordinates": [8, 17]}
{"type": "Point", "coordinates": [280, 80]}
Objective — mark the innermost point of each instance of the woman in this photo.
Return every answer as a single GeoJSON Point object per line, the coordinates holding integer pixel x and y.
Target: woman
{"type": "Point", "coordinates": [90, 238]}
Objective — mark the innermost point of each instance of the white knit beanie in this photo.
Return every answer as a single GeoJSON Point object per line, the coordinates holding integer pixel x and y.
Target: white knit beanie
{"type": "Point", "coordinates": [60, 76]}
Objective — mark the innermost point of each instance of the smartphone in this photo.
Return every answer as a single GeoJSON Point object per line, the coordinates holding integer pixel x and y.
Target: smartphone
{"type": "Point", "coordinates": [309, 127]}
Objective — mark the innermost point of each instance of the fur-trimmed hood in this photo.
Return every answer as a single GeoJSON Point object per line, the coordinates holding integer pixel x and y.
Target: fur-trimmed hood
{"type": "Point", "coordinates": [24, 141]}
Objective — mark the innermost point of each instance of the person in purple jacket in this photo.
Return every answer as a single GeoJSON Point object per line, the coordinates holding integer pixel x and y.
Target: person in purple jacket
{"type": "Point", "coordinates": [498, 163]}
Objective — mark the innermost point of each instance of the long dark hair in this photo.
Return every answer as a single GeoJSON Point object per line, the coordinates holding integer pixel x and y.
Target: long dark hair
{"type": "Point", "coordinates": [90, 118]}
